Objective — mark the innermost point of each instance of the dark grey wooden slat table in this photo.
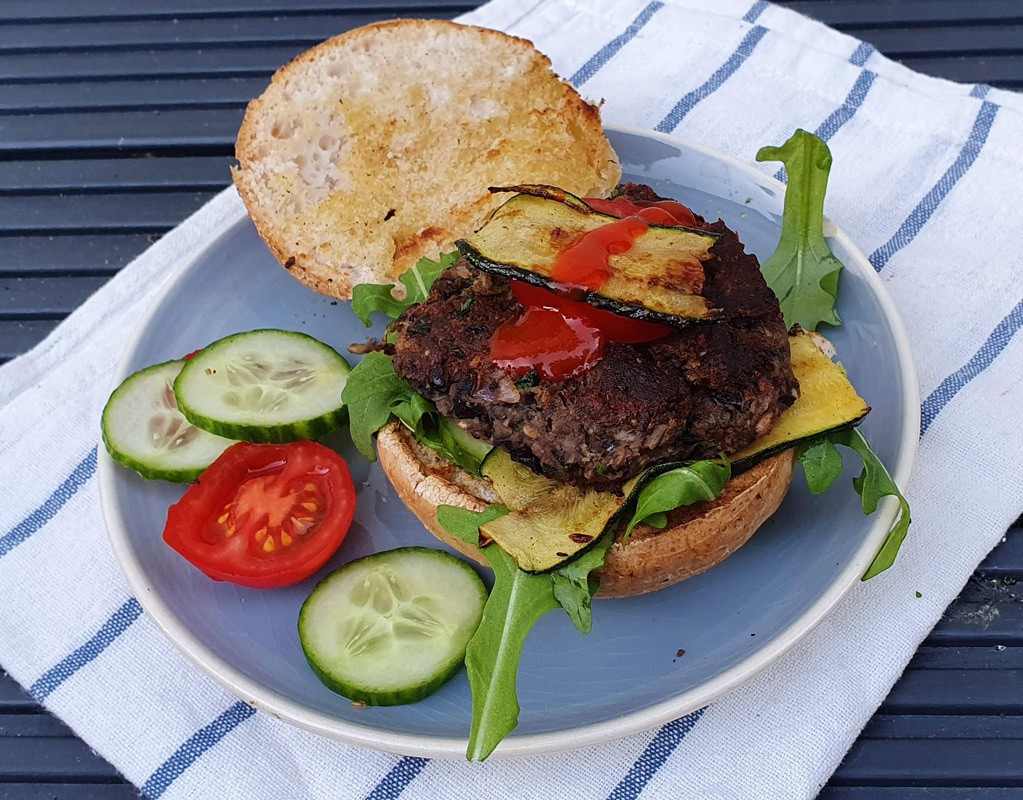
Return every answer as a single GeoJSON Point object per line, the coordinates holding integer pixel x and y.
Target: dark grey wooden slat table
{"type": "Point", "coordinates": [117, 119]}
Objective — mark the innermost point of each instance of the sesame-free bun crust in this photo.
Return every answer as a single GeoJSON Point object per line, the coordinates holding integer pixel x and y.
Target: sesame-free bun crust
{"type": "Point", "coordinates": [696, 538]}
{"type": "Point", "coordinates": [377, 147]}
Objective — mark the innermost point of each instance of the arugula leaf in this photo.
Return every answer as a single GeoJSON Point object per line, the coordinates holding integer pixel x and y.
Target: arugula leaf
{"type": "Point", "coordinates": [371, 393]}
{"type": "Point", "coordinates": [657, 520]}
{"type": "Point", "coordinates": [683, 486]}
{"type": "Point", "coordinates": [822, 463]}
{"type": "Point", "coordinates": [803, 272]}
{"type": "Point", "coordinates": [374, 391]}
{"type": "Point", "coordinates": [516, 602]}
{"type": "Point", "coordinates": [572, 585]}
{"type": "Point", "coordinates": [873, 484]}
{"type": "Point", "coordinates": [465, 524]}
{"type": "Point", "coordinates": [417, 280]}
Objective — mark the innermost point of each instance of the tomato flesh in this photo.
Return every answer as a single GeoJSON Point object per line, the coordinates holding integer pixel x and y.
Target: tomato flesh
{"type": "Point", "coordinates": [659, 212]}
{"type": "Point", "coordinates": [264, 515]}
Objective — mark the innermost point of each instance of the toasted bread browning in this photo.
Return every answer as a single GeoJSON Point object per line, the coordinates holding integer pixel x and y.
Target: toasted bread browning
{"type": "Point", "coordinates": [376, 147]}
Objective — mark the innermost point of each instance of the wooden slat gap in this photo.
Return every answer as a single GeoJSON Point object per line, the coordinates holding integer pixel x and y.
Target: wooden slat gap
{"type": "Point", "coordinates": [140, 75]}
{"type": "Point", "coordinates": [47, 780]}
{"type": "Point", "coordinates": [856, 28]}
{"type": "Point", "coordinates": [134, 47]}
{"type": "Point", "coordinates": [212, 105]}
{"type": "Point", "coordinates": [970, 782]}
{"type": "Point", "coordinates": [142, 189]}
{"type": "Point", "coordinates": [79, 231]}
{"type": "Point", "coordinates": [899, 55]}
{"type": "Point", "coordinates": [84, 272]}
{"type": "Point", "coordinates": [144, 16]}
{"type": "Point", "coordinates": [52, 153]}
{"type": "Point", "coordinates": [31, 316]}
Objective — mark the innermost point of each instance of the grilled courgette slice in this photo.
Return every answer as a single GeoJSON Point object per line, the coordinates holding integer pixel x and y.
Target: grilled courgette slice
{"type": "Point", "coordinates": [658, 279]}
{"type": "Point", "coordinates": [549, 521]}
{"type": "Point", "coordinates": [827, 401]}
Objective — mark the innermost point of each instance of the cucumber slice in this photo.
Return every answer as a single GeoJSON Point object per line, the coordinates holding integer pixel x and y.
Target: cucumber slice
{"type": "Point", "coordinates": [264, 386]}
{"type": "Point", "coordinates": [144, 430]}
{"type": "Point", "coordinates": [392, 627]}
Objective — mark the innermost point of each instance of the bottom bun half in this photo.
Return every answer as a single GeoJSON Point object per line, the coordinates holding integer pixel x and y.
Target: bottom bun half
{"type": "Point", "coordinates": [695, 539]}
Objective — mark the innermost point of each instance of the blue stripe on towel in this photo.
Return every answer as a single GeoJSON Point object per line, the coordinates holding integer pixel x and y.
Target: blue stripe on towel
{"type": "Point", "coordinates": [861, 55]}
{"type": "Point", "coordinates": [982, 359]}
{"type": "Point", "coordinates": [194, 747]}
{"type": "Point", "coordinates": [400, 775]}
{"type": "Point", "coordinates": [79, 476]}
{"type": "Point", "coordinates": [609, 50]}
{"type": "Point", "coordinates": [653, 756]}
{"type": "Point", "coordinates": [755, 11]}
{"type": "Point", "coordinates": [118, 623]}
{"type": "Point", "coordinates": [845, 112]}
{"type": "Point", "coordinates": [849, 107]}
{"type": "Point", "coordinates": [722, 74]}
{"type": "Point", "coordinates": [909, 229]}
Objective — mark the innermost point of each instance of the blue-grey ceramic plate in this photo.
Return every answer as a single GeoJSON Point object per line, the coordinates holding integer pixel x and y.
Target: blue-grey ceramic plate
{"type": "Point", "coordinates": [574, 690]}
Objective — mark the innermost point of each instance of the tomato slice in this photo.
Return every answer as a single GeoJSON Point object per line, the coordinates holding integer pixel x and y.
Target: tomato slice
{"type": "Point", "coordinates": [264, 515]}
{"type": "Point", "coordinates": [659, 212]}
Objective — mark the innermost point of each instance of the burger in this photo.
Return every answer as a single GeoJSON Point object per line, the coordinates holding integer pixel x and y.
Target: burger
{"type": "Point", "coordinates": [680, 355]}
{"type": "Point", "coordinates": [600, 378]}
{"type": "Point", "coordinates": [584, 405]}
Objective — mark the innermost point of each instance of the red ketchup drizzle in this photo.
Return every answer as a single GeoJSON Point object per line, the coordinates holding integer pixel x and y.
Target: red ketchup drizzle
{"type": "Point", "coordinates": [561, 338]}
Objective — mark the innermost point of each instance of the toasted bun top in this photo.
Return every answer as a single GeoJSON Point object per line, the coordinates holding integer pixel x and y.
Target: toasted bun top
{"type": "Point", "coordinates": [695, 539]}
{"type": "Point", "coordinates": [376, 147]}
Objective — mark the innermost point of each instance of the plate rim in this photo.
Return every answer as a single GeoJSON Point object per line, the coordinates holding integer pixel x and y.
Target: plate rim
{"type": "Point", "coordinates": [448, 747]}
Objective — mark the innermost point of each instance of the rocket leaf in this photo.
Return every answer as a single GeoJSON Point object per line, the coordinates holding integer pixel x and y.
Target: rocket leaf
{"type": "Point", "coordinates": [374, 392]}
{"type": "Point", "coordinates": [683, 486]}
{"type": "Point", "coordinates": [417, 280]}
{"type": "Point", "coordinates": [822, 464]}
{"type": "Point", "coordinates": [465, 524]}
{"type": "Point", "coordinates": [573, 587]}
{"type": "Point", "coordinates": [516, 602]}
{"type": "Point", "coordinates": [803, 272]}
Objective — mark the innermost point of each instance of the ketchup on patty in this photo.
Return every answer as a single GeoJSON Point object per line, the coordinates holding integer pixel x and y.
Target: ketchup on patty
{"type": "Point", "coordinates": [562, 338]}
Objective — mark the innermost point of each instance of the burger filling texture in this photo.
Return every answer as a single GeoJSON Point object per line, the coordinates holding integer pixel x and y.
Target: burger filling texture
{"type": "Point", "coordinates": [706, 388]}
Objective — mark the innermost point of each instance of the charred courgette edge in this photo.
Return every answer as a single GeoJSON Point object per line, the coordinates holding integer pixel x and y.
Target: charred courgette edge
{"type": "Point", "coordinates": [652, 297]}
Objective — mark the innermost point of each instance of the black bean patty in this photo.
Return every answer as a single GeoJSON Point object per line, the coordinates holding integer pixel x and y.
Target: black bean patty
{"type": "Point", "coordinates": [711, 387]}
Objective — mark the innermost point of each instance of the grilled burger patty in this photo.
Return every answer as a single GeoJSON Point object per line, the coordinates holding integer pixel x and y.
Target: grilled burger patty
{"type": "Point", "coordinates": [710, 387]}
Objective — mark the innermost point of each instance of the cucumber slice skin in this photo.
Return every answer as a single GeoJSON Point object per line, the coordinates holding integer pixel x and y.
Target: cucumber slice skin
{"type": "Point", "coordinates": [267, 431]}
{"type": "Point", "coordinates": [270, 434]}
{"type": "Point", "coordinates": [359, 691]}
{"type": "Point", "coordinates": [150, 469]}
